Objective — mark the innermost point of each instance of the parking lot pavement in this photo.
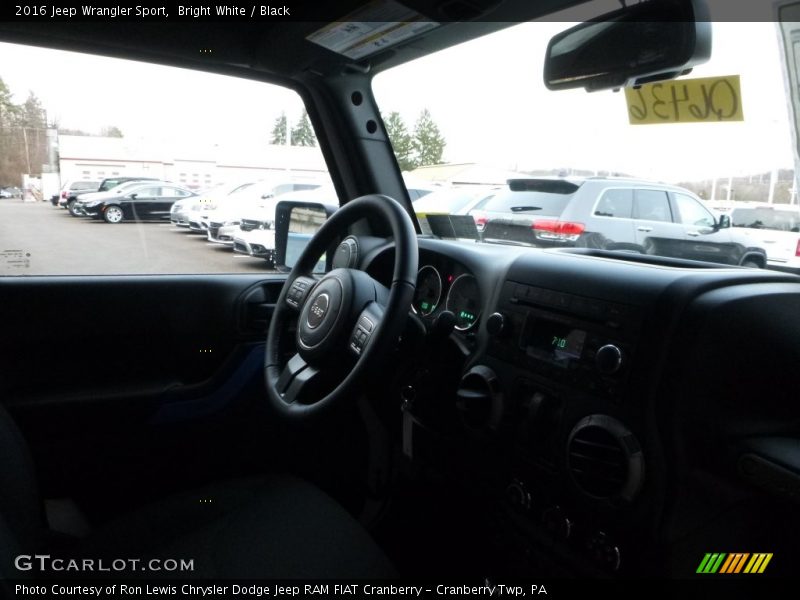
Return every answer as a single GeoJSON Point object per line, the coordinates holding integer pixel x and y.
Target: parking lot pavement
{"type": "Point", "coordinates": [37, 238]}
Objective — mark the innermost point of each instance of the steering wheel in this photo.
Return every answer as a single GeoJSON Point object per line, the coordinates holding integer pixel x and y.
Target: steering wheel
{"type": "Point", "coordinates": [346, 321]}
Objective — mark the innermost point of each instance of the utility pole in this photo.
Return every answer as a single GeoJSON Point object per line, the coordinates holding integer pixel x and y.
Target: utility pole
{"type": "Point", "coordinates": [773, 176]}
{"type": "Point", "coordinates": [27, 153]}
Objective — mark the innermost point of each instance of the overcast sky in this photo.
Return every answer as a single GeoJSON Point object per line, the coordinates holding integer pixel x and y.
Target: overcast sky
{"type": "Point", "coordinates": [487, 96]}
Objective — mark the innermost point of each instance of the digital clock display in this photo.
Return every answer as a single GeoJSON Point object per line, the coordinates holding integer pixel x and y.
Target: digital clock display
{"type": "Point", "coordinates": [559, 342]}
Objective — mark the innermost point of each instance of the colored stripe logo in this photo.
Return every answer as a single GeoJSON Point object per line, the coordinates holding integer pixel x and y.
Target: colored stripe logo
{"type": "Point", "coordinates": [736, 562]}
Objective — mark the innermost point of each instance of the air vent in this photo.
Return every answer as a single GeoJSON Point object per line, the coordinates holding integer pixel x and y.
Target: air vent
{"type": "Point", "coordinates": [605, 459]}
{"type": "Point", "coordinates": [346, 255]}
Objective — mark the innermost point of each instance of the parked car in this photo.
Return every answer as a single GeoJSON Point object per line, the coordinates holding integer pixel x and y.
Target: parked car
{"type": "Point", "coordinates": [614, 214]}
{"type": "Point", "coordinates": [72, 189]}
{"type": "Point", "coordinates": [83, 199]}
{"type": "Point", "coordinates": [141, 201]}
{"type": "Point", "coordinates": [256, 235]}
{"type": "Point", "coordinates": [776, 228]}
{"type": "Point", "coordinates": [15, 192]}
{"type": "Point", "coordinates": [222, 222]}
{"type": "Point", "coordinates": [9, 193]}
{"type": "Point", "coordinates": [453, 201]}
{"type": "Point", "coordinates": [184, 211]}
{"type": "Point", "coordinates": [110, 183]}
{"type": "Point", "coordinates": [229, 209]}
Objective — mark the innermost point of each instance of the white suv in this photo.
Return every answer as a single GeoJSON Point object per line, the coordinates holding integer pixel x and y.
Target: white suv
{"type": "Point", "coordinates": [774, 227]}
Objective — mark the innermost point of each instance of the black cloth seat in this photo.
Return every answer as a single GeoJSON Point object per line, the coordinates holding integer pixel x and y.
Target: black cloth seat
{"type": "Point", "coordinates": [276, 527]}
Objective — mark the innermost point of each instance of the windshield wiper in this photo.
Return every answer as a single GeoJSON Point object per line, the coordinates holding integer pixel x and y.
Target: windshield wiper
{"type": "Point", "coordinates": [524, 208]}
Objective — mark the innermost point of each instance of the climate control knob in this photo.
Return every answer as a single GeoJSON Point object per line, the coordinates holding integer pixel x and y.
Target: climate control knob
{"type": "Point", "coordinates": [496, 324]}
{"type": "Point", "coordinates": [518, 496]}
{"type": "Point", "coordinates": [608, 359]}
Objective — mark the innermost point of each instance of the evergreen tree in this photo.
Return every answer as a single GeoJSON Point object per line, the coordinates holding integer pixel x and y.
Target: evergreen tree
{"type": "Point", "coordinates": [32, 113]}
{"type": "Point", "coordinates": [8, 110]}
{"type": "Point", "coordinates": [111, 131]}
{"type": "Point", "coordinates": [428, 142]}
{"type": "Point", "coordinates": [303, 133]}
{"type": "Point", "coordinates": [279, 131]}
{"type": "Point", "coordinates": [32, 123]}
{"type": "Point", "coordinates": [401, 141]}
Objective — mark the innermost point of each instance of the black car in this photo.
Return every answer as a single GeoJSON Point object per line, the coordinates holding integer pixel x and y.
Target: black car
{"type": "Point", "coordinates": [70, 196]}
{"type": "Point", "coordinates": [150, 201]}
{"type": "Point", "coordinates": [110, 183]}
{"type": "Point", "coordinates": [70, 191]}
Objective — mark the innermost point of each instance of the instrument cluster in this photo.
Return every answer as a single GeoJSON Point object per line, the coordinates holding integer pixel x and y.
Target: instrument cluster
{"type": "Point", "coordinates": [448, 286]}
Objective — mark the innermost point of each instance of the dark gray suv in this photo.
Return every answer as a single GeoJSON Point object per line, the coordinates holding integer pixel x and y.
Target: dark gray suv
{"type": "Point", "coordinates": [613, 214]}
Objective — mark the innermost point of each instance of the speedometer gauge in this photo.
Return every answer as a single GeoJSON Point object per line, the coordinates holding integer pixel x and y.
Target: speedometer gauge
{"type": "Point", "coordinates": [429, 290]}
{"type": "Point", "coordinates": [464, 300]}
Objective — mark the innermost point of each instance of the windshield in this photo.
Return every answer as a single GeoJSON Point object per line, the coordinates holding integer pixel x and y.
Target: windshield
{"type": "Point", "coordinates": [766, 218]}
{"type": "Point", "coordinates": [541, 203]}
{"type": "Point", "coordinates": [641, 185]}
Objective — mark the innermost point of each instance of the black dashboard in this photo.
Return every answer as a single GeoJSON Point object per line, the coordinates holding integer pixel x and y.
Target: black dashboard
{"type": "Point", "coordinates": [609, 408]}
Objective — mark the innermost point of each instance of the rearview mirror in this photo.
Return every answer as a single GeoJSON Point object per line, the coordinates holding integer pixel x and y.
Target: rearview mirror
{"type": "Point", "coordinates": [650, 41]}
{"type": "Point", "coordinates": [724, 222]}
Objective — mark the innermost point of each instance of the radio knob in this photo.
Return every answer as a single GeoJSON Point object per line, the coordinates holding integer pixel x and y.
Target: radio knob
{"type": "Point", "coordinates": [518, 496]}
{"type": "Point", "coordinates": [496, 324]}
{"type": "Point", "coordinates": [608, 359]}
{"type": "Point", "coordinates": [557, 523]}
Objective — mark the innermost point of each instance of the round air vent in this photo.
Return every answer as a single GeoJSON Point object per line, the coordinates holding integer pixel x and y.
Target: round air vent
{"type": "Point", "coordinates": [605, 459]}
{"type": "Point", "coordinates": [346, 255]}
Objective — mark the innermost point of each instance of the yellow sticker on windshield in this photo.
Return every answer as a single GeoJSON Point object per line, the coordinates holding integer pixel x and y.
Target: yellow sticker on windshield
{"type": "Point", "coordinates": [708, 99]}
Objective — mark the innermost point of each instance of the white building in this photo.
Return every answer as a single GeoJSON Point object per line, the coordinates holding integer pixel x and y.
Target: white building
{"type": "Point", "coordinates": [192, 165]}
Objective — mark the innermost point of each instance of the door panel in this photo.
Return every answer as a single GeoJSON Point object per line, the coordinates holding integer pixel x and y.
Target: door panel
{"type": "Point", "coordinates": [133, 386]}
{"type": "Point", "coordinates": [702, 240]}
{"type": "Point", "coordinates": [656, 233]}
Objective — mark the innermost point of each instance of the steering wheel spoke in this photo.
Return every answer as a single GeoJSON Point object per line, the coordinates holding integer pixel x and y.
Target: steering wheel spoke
{"type": "Point", "coordinates": [365, 326]}
{"type": "Point", "coordinates": [299, 291]}
{"type": "Point", "coordinates": [296, 379]}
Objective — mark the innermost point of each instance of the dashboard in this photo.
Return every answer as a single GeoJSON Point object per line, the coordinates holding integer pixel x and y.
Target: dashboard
{"type": "Point", "coordinates": [599, 400]}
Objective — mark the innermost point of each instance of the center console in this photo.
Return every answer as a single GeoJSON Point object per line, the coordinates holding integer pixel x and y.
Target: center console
{"type": "Point", "coordinates": [555, 393]}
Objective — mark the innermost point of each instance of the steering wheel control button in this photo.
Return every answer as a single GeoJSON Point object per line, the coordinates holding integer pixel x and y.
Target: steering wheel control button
{"type": "Point", "coordinates": [365, 324]}
{"type": "Point", "coordinates": [318, 310]}
{"type": "Point", "coordinates": [297, 292]}
{"type": "Point", "coordinates": [360, 336]}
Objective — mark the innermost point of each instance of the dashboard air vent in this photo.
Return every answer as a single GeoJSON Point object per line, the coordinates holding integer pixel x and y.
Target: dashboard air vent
{"type": "Point", "coordinates": [604, 459]}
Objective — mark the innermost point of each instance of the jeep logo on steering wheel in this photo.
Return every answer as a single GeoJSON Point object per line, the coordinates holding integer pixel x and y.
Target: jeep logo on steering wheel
{"type": "Point", "coordinates": [317, 311]}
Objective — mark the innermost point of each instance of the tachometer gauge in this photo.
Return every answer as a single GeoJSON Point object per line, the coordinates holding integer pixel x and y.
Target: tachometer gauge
{"type": "Point", "coordinates": [464, 300]}
{"type": "Point", "coordinates": [429, 290]}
